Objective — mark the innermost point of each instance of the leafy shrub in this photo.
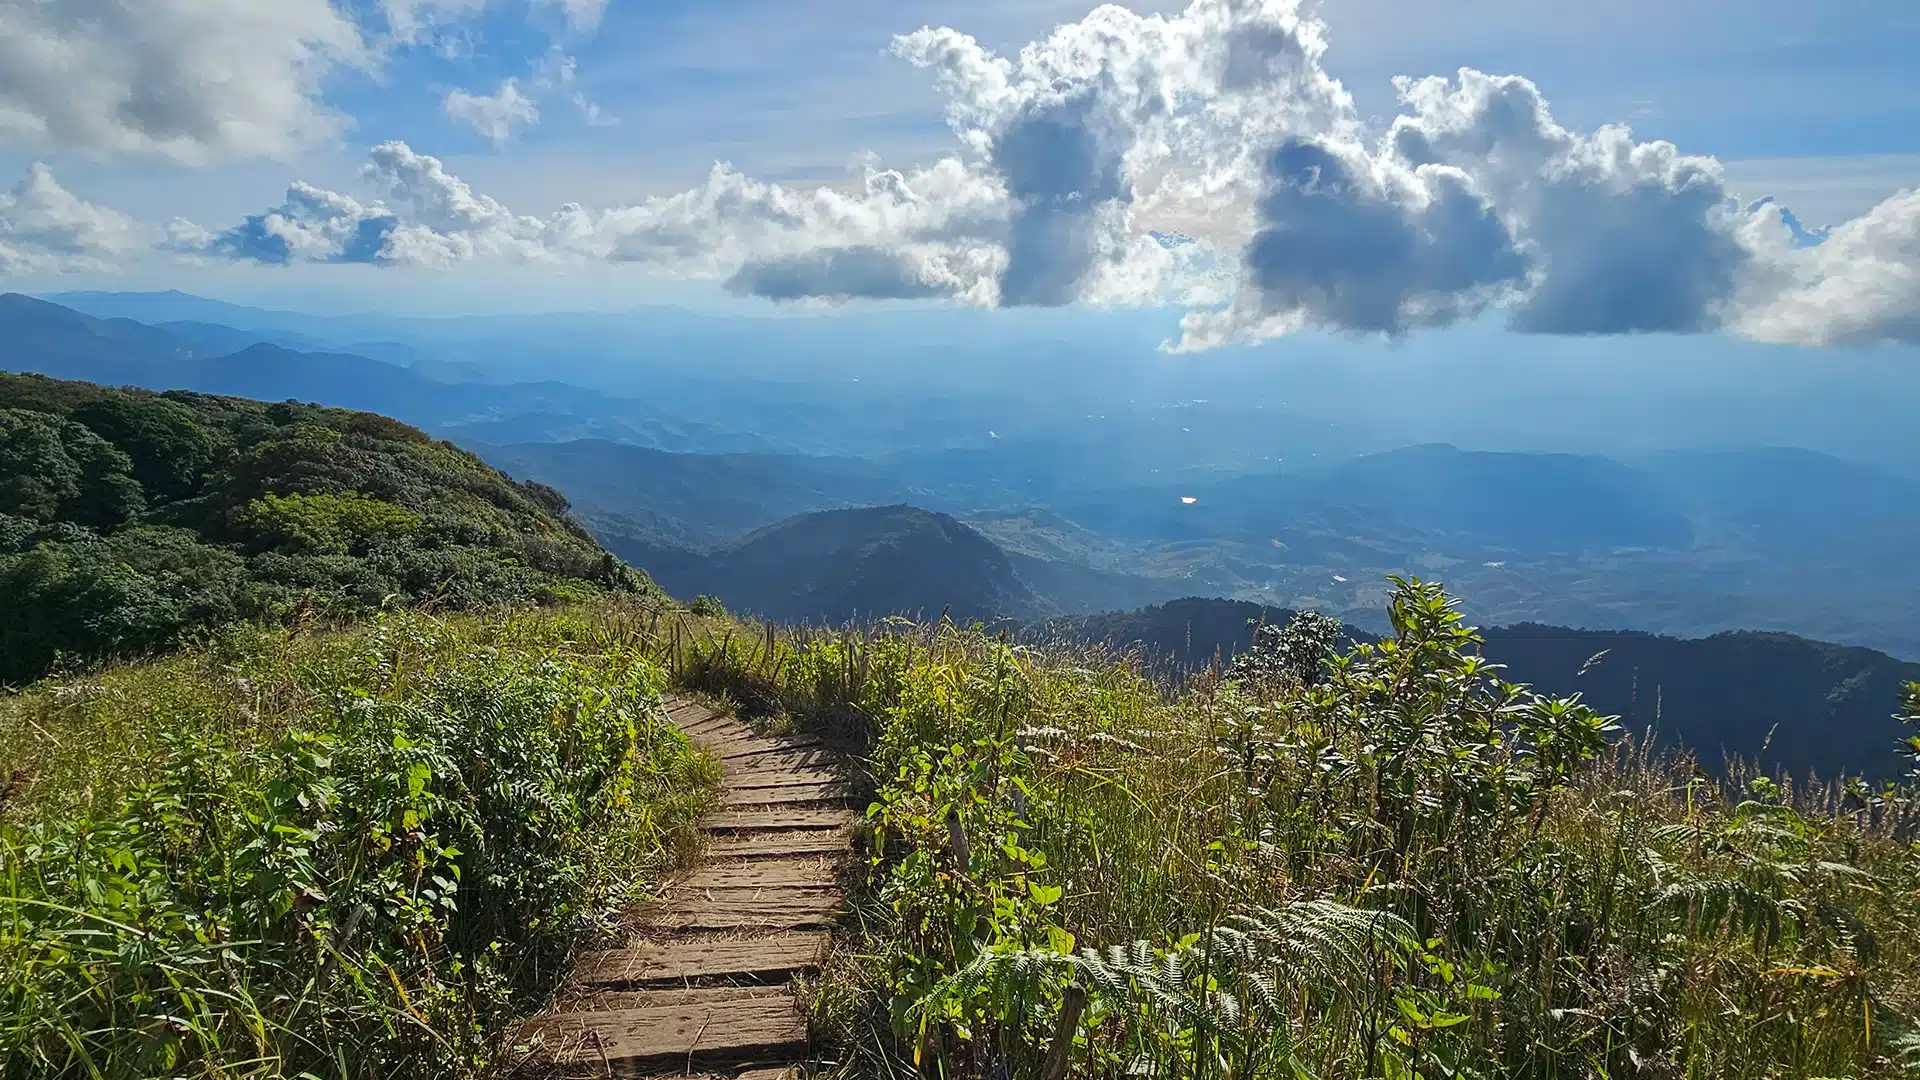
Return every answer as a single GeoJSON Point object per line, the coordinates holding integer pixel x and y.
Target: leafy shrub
{"type": "Point", "coordinates": [1383, 862]}
{"type": "Point", "coordinates": [358, 855]}
{"type": "Point", "coordinates": [708, 607]}
{"type": "Point", "coordinates": [342, 524]}
{"type": "Point", "coordinates": [1296, 653]}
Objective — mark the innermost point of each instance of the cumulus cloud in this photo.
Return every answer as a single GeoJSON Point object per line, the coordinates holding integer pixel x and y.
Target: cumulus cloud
{"type": "Point", "coordinates": [1858, 285]}
{"type": "Point", "coordinates": [43, 226]}
{"type": "Point", "coordinates": [434, 220]}
{"type": "Point", "coordinates": [1207, 159]}
{"type": "Point", "coordinates": [190, 80]}
{"type": "Point", "coordinates": [1627, 236]}
{"type": "Point", "coordinates": [503, 114]}
{"type": "Point", "coordinates": [1352, 243]}
{"type": "Point", "coordinates": [497, 116]}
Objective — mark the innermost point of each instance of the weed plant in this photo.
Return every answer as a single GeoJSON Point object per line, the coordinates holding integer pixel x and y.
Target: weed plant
{"type": "Point", "coordinates": [349, 854]}
{"type": "Point", "coordinates": [1386, 862]}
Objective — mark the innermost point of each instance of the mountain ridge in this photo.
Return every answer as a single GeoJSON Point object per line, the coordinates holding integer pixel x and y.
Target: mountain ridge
{"type": "Point", "coordinates": [1779, 699]}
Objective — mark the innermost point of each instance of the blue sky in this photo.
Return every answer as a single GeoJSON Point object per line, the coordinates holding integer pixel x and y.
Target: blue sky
{"type": "Point", "coordinates": [1817, 105]}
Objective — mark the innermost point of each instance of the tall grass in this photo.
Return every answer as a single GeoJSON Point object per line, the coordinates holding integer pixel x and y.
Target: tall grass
{"type": "Point", "coordinates": [348, 854]}
{"type": "Point", "coordinates": [1387, 863]}
{"type": "Point", "coordinates": [367, 852]}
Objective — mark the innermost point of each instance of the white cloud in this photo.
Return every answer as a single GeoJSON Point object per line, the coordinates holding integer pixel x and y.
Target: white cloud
{"type": "Point", "coordinates": [190, 80]}
{"type": "Point", "coordinates": [581, 15]}
{"type": "Point", "coordinates": [593, 114]}
{"type": "Point", "coordinates": [1859, 286]}
{"type": "Point", "coordinates": [1081, 156]}
{"type": "Point", "coordinates": [497, 116]}
{"type": "Point", "coordinates": [43, 226]}
{"type": "Point", "coordinates": [413, 22]}
{"type": "Point", "coordinates": [438, 221]}
{"type": "Point", "coordinates": [502, 115]}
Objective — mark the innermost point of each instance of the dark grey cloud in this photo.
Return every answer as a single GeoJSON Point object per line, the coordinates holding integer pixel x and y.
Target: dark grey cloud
{"type": "Point", "coordinates": [1336, 248]}
{"type": "Point", "coordinates": [850, 273]}
{"type": "Point", "coordinates": [1061, 172]}
{"type": "Point", "coordinates": [1650, 256]}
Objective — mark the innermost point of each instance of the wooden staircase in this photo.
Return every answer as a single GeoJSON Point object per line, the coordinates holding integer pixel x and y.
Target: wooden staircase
{"type": "Point", "coordinates": [703, 989]}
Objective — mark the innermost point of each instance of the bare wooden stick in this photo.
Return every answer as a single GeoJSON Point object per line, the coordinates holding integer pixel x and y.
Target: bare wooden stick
{"type": "Point", "coordinates": [957, 842]}
{"type": "Point", "coordinates": [1061, 1051]}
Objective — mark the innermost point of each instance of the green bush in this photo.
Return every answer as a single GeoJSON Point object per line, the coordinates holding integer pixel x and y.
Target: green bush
{"type": "Point", "coordinates": [709, 607]}
{"type": "Point", "coordinates": [357, 855]}
{"type": "Point", "coordinates": [345, 524]}
{"type": "Point", "coordinates": [1383, 862]}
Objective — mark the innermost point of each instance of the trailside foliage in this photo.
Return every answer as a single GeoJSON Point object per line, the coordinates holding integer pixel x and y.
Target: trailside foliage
{"type": "Point", "coordinates": [129, 520]}
{"type": "Point", "coordinates": [361, 854]}
{"type": "Point", "coordinates": [1380, 862]}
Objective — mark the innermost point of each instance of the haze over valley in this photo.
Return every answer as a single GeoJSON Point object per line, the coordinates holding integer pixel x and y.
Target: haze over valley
{"type": "Point", "coordinates": [696, 433]}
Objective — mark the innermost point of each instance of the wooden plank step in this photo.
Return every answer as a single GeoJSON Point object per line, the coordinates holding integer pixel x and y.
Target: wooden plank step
{"type": "Point", "coordinates": [752, 748]}
{"type": "Point", "coordinates": [712, 727]}
{"type": "Point", "coordinates": [760, 779]}
{"type": "Point", "coordinates": [799, 873]}
{"type": "Point", "coordinates": [690, 712]}
{"type": "Point", "coordinates": [777, 820]}
{"type": "Point", "coordinates": [779, 845]}
{"type": "Point", "coordinates": [752, 909]}
{"type": "Point", "coordinates": [634, 1041]}
{"type": "Point", "coordinates": [765, 959]}
{"type": "Point", "coordinates": [716, 742]}
{"type": "Point", "coordinates": [798, 794]}
{"type": "Point", "coordinates": [785, 761]}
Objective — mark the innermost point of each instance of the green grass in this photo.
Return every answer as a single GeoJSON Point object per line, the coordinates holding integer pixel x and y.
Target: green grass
{"type": "Point", "coordinates": [362, 852]}
{"type": "Point", "coordinates": [1397, 866]}
{"type": "Point", "coordinates": [370, 852]}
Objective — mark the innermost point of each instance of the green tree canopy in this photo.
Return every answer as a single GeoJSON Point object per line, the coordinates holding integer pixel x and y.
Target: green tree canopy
{"type": "Point", "coordinates": [52, 469]}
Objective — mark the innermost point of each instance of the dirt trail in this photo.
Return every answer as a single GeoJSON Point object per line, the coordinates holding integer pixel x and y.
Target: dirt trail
{"type": "Point", "coordinates": [703, 988]}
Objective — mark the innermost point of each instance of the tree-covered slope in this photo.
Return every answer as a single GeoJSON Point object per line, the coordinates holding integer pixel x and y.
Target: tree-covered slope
{"type": "Point", "coordinates": [130, 519]}
{"type": "Point", "coordinates": [841, 565]}
{"type": "Point", "coordinates": [694, 500]}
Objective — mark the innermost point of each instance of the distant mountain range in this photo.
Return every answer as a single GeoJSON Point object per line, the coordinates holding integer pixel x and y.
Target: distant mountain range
{"type": "Point", "coordinates": [990, 504]}
{"type": "Point", "coordinates": [48, 339]}
{"type": "Point", "coordinates": [1777, 698]}
{"type": "Point", "coordinates": [837, 566]}
{"type": "Point", "coordinates": [1686, 543]}
{"type": "Point", "coordinates": [1136, 502]}
{"type": "Point", "coordinates": [1774, 698]}
{"type": "Point", "coordinates": [695, 500]}
{"type": "Point", "coordinates": [840, 565]}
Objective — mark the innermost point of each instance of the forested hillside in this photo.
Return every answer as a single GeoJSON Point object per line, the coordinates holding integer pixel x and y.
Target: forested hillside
{"type": "Point", "coordinates": [1773, 698]}
{"type": "Point", "coordinates": [841, 565]}
{"type": "Point", "coordinates": [693, 500]}
{"type": "Point", "coordinates": [130, 520]}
